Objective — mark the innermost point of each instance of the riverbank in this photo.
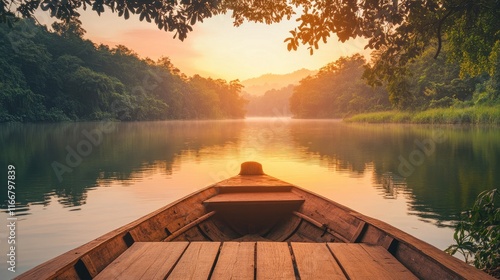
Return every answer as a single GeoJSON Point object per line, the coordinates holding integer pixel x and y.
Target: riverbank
{"type": "Point", "coordinates": [469, 115]}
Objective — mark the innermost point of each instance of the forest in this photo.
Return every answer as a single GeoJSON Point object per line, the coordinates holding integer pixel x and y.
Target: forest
{"type": "Point", "coordinates": [274, 102]}
{"type": "Point", "coordinates": [426, 56]}
{"type": "Point", "coordinates": [337, 90]}
{"type": "Point", "coordinates": [56, 75]}
{"type": "Point", "coordinates": [341, 88]}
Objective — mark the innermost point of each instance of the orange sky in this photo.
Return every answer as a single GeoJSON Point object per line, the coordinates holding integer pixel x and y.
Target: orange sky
{"type": "Point", "coordinates": [215, 48]}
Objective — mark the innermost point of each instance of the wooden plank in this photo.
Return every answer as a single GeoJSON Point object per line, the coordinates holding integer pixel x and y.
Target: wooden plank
{"type": "Point", "coordinates": [252, 238]}
{"type": "Point", "coordinates": [174, 217]}
{"type": "Point", "coordinates": [423, 259]}
{"type": "Point", "coordinates": [254, 197]}
{"type": "Point", "coordinates": [183, 214]}
{"type": "Point", "coordinates": [274, 261]}
{"type": "Point", "coordinates": [259, 183]}
{"type": "Point", "coordinates": [363, 261]}
{"type": "Point", "coordinates": [297, 237]}
{"type": "Point", "coordinates": [144, 260]}
{"type": "Point", "coordinates": [316, 234]}
{"type": "Point", "coordinates": [309, 219]}
{"type": "Point", "coordinates": [340, 222]}
{"type": "Point", "coordinates": [152, 229]}
{"type": "Point", "coordinates": [252, 181]}
{"type": "Point", "coordinates": [192, 235]}
{"type": "Point", "coordinates": [375, 236]}
{"type": "Point", "coordinates": [323, 228]}
{"type": "Point", "coordinates": [196, 262]}
{"type": "Point", "coordinates": [217, 231]}
{"type": "Point", "coordinates": [358, 231]}
{"type": "Point", "coordinates": [189, 226]}
{"type": "Point", "coordinates": [284, 229]}
{"type": "Point", "coordinates": [66, 274]}
{"type": "Point", "coordinates": [431, 270]}
{"type": "Point", "coordinates": [315, 261]}
{"type": "Point", "coordinates": [101, 256]}
{"type": "Point", "coordinates": [236, 261]}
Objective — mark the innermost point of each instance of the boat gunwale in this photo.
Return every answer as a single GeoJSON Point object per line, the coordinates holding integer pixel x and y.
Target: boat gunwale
{"type": "Point", "coordinates": [71, 257]}
{"type": "Point", "coordinates": [452, 265]}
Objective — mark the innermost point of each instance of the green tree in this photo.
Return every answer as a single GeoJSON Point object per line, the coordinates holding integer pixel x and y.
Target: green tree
{"type": "Point", "coordinates": [24, 67]}
{"type": "Point", "coordinates": [429, 82]}
{"type": "Point", "coordinates": [337, 90]}
{"type": "Point", "coordinates": [92, 92]}
{"type": "Point", "coordinates": [68, 29]}
{"type": "Point", "coordinates": [400, 29]}
{"type": "Point", "coordinates": [274, 102]}
{"type": "Point", "coordinates": [477, 234]}
{"type": "Point", "coordinates": [51, 76]}
{"type": "Point", "coordinates": [232, 103]}
{"type": "Point", "coordinates": [203, 98]}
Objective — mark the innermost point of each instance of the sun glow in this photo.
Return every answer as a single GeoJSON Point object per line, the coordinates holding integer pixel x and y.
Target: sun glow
{"type": "Point", "coordinates": [216, 48]}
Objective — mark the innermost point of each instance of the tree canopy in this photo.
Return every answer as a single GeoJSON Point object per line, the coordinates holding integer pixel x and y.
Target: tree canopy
{"type": "Point", "coordinates": [457, 39]}
{"type": "Point", "coordinates": [337, 90]}
{"type": "Point", "coordinates": [399, 29]}
{"type": "Point", "coordinates": [54, 76]}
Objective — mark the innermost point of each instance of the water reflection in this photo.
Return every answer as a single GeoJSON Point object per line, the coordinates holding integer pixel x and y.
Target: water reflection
{"type": "Point", "coordinates": [445, 177]}
{"type": "Point", "coordinates": [124, 152]}
{"type": "Point", "coordinates": [135, 168]}
{"type": "Point", "coordinates": [392, 184]}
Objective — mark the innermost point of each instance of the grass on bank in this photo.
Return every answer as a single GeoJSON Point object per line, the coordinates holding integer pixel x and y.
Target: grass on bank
{"type": "Point", "coordinates": [470, 115]}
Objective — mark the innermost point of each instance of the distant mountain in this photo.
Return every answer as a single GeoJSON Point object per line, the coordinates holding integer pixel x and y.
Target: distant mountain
{"type": "Point", "coordinates": [260, 85]}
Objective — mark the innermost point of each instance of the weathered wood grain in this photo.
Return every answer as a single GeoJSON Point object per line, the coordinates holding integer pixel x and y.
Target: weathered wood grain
{"type": "Point", "coordinates": [315, 262]}
{"type": "Point", "coordinates": [236, 261]}
{"type": "Point", "coordinates": [362, 261]}
{"type": "Point", "coordinates": [259, 183]}
{"type": "Point", "coordinates": [375, 236]}
{"type": "Point", "coordinates": [144, 260]}
{"type": "Point", "coordinates": [324, 212]}
{"type": "Point", "coordinates": [189, 226]}
{"type": "Point", "coordinates": [216, 230]}
{"type": "Point", "coordinates": [196, 262]}
{"type": "Point", "coordinates": [284, 229]}
{"type": "Point", "coordinates": [274, 261]}
{"type": "Point", "coordinates": [254, 198]}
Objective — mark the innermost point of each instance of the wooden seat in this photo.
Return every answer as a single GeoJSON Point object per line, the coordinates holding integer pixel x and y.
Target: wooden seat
{"type": "Point", "coordinates": [255, 198]}
{"type": "Point", "coordinates": [255, 183]}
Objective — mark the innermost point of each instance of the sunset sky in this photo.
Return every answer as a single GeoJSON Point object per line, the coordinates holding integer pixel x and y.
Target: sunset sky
{"type": "Point", "coordinates": [215, 48]}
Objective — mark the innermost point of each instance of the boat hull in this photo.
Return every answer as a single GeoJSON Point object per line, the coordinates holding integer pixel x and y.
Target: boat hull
{"type": "Point", "coordinates": [245, 211]}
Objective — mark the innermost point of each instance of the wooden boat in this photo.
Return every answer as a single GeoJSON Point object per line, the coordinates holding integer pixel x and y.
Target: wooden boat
{"type": "Point", "coordinates": [253, 226]}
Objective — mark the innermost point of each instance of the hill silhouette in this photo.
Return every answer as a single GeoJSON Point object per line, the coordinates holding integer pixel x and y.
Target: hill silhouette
{"type": "Point", "coordinates": [260, 85]}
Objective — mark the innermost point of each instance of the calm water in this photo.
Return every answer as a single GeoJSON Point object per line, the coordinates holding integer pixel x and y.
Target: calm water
{"type": "Point", "coordinates": [75, 182]}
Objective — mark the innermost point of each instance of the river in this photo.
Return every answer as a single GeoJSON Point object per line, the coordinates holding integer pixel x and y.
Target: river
{"type": "Point", "coordinates": [77, 181]}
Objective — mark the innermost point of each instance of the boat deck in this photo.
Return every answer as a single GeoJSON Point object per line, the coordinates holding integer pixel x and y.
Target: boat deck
{"type": "Point", "coordinates": [255, 260]}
